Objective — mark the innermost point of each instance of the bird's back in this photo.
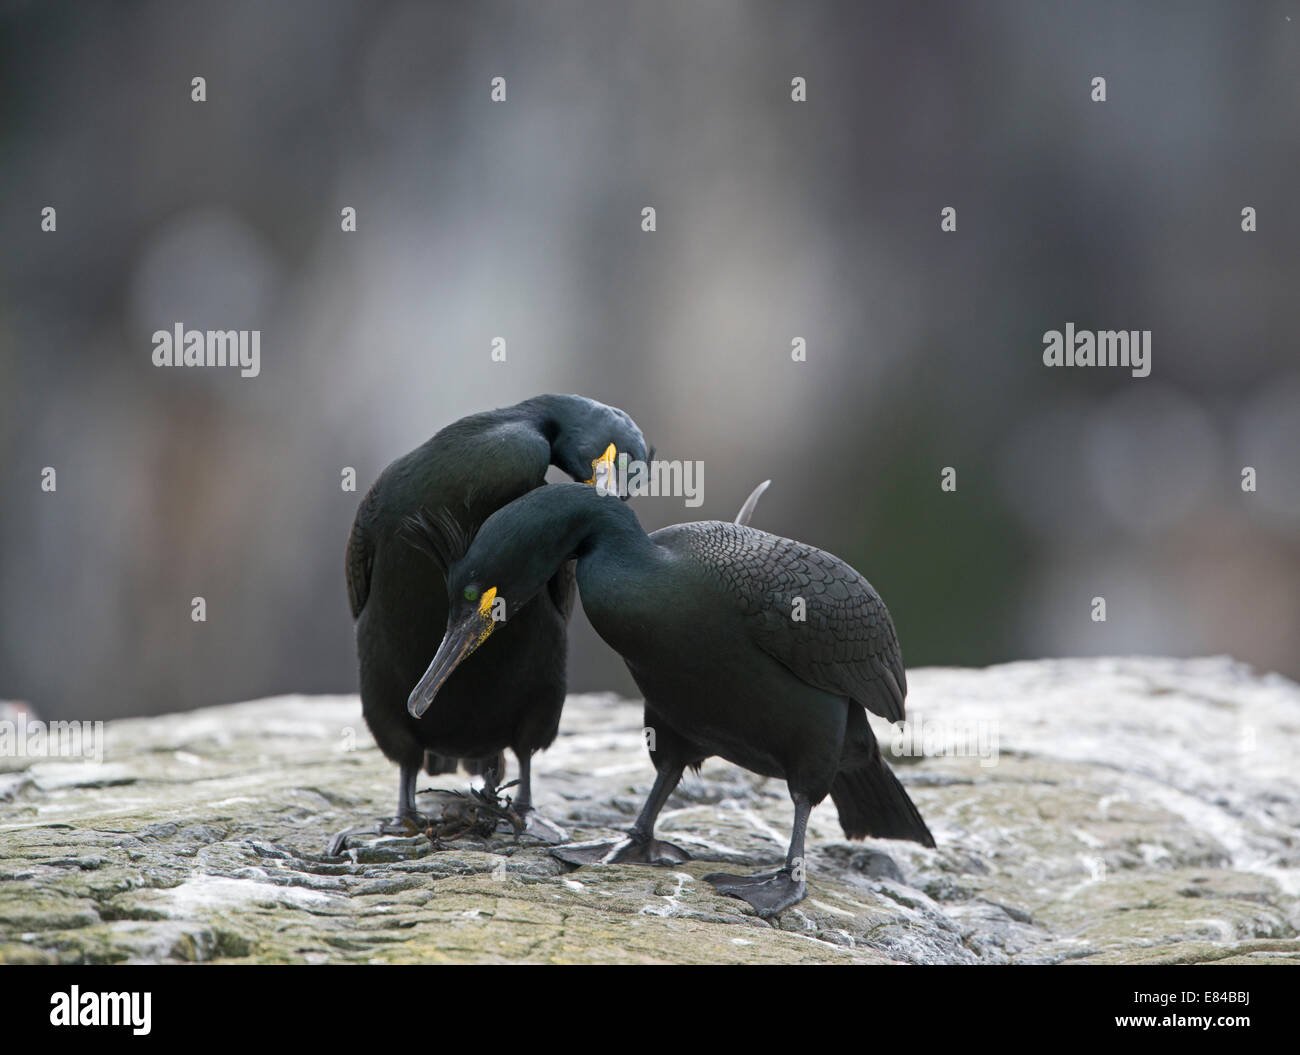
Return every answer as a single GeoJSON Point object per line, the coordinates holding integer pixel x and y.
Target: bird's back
{"type": "Point", "coordinates": [470, 469]}
{"type": "Point", "coordinates": [805, 607]}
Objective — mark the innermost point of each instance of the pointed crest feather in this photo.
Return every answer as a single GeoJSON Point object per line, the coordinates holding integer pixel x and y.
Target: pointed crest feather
{"type": "Point", "coordinates": [439, 534]}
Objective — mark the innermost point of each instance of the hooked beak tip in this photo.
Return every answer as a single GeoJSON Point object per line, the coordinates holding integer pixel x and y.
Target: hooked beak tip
{"type": "Point", "coordinates": [457, 644]}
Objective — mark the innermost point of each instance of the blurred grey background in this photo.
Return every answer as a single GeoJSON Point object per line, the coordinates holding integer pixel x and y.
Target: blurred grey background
{"type": "Point", "coordinates": [522, 220]}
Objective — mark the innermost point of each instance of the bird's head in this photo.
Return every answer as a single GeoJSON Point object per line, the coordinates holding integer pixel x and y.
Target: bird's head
{"type": "Point", "coordinates": [591, 437]}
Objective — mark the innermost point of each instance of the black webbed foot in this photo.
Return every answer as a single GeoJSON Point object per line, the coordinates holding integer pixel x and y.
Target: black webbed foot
{"type": "Point", "coordinates": [407, 824]}
{"type": "Point", "coordinates": [632, 850]}
{"type": "Point", "coordinates": [543, 829]}
{"type": "Point", "coordinates": [770, 893]}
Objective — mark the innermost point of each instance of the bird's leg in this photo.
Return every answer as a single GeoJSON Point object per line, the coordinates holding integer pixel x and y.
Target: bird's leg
{"type": "Point", "coordinates": [406, 792]}
{"type": "Point", "coordinates": [773, 892]}
{"type": "Point", "coordinates": [640, 846]}
{"type": "Point", "coordinates": [666, 780]}
{"type": "Point", "coordinates": [408, 821]}
{"type": "Point", "coordinates": [524, 796]}
{"type": "Point", "coordinates": [535, 824]}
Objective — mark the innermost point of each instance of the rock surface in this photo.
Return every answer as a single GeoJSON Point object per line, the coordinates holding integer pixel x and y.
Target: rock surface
{"type": "Point", "coordinates": [1101, 811]}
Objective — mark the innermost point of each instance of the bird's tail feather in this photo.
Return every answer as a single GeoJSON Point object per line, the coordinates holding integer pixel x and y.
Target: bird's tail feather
{"type": "Point", "coordinates": [747, 510]}
{"type": "Point", "coordinates": [871, 801]}
{"type": "Point", "coordinates": [435, 763]}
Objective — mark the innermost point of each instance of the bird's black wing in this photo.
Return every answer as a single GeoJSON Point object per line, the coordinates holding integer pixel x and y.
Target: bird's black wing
{"type": "Point", "coordinates": [361, 554]}
{"type": "Point", "coordinates": [845, 642]}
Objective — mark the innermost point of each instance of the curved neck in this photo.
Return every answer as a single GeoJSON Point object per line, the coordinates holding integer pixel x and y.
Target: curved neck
{"type": "Point", "coordinates": [587, 520]}
{"type": "Point", "coordinates": [526, 542]}
{"type": "Point", "coordinates": [546, 413]}
{"type": "Point", "coordinates": [553, 523]}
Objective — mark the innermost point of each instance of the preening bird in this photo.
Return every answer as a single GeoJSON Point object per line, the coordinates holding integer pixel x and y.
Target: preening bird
{"type": "Point", "coordinates": [707, 617]}
{"type": "Point", "coordinates": [406, 534]}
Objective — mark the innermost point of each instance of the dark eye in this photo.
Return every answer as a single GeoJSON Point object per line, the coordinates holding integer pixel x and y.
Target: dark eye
{"type": "Point", "coordinates": [471, 593]}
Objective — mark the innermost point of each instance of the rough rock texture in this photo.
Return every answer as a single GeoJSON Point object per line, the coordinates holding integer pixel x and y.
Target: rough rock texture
{"type": "Point", "coordinates": [1138, 810]}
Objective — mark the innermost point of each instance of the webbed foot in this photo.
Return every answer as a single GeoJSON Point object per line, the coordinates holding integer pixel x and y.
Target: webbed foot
{"type": "Point", "coordinates": [543, 829]}
{"type": "Point", "coordinates": [407, 824]}
{"type": "Point", "coordinates": [632, 850]}
{"type": "Point", "coordinates": [770, 893]}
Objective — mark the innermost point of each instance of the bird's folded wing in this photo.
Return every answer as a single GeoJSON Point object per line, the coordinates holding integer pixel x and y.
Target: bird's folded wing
{"type": "Point", "coordinates": [361, 556]}
{"type": "Point", "coordinates": [840, 638]}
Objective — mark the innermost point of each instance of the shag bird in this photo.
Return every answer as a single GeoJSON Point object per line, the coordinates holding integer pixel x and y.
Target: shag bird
{"type": "Point", "coordinates": [403, 539]}
{"type": "Point", "coordinates": [762, 650]}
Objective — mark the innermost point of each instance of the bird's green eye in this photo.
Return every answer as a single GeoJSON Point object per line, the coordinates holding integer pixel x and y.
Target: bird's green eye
{"type": "Point", "coordinates": [471, 594]}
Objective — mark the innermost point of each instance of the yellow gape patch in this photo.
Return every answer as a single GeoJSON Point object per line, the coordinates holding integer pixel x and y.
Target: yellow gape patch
{"type": "Point", "coordinates": [485, 613]}
{"type": "Point", "coordinates": [605, 461]}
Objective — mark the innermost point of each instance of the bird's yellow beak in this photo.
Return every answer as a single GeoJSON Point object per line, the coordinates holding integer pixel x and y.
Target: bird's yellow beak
{"type": "Point", "coordinates": [603, 476]}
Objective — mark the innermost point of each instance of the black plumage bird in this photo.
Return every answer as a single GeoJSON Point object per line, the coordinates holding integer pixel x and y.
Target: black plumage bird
{"type": "Point", "coordinates": [405, 536]}
{"type": "Point", "coordinates": [706, 616]}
